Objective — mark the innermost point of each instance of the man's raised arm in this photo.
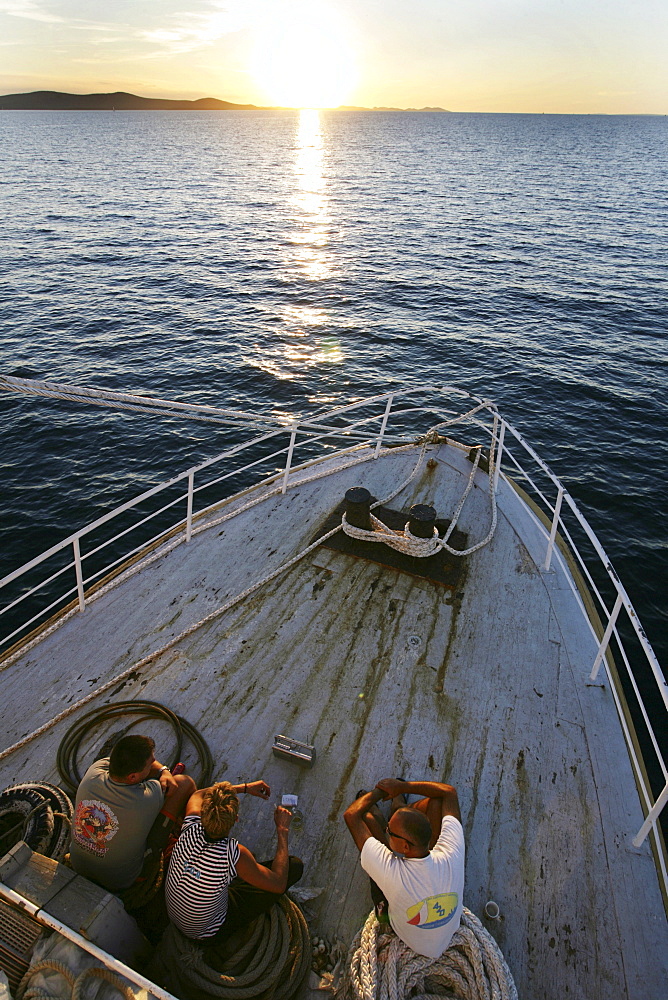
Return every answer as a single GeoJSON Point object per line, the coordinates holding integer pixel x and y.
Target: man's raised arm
{"type": "Point", "coordinates": [434, 790]}
{"type": "Point", "coordinates": [354, 816]}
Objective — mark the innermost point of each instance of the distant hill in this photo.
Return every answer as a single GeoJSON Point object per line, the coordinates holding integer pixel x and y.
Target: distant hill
{"type": "Point", "coordinates": [51, 100]}
{"type": "Point", "coordinates": [350, 107]}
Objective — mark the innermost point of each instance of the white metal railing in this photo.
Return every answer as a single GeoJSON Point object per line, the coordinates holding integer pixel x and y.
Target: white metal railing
{"type": "Point", "coordinates": [21, 902]}
{"type": "Point", "coordinates": [390, 419]}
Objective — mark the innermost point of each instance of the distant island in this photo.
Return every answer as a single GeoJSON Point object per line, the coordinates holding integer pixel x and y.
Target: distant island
{"type": "Point", "coordinates": [350, 107]}
{"type": "Point", "coordinates": [52, 100]}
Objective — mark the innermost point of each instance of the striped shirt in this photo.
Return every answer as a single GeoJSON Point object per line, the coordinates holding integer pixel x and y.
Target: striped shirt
{"type": "Point", "coordinates": [199, 873]}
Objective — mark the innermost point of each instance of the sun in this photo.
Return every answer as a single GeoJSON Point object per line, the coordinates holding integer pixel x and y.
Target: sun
{"type": "Point", "coordinates": [303, 59]}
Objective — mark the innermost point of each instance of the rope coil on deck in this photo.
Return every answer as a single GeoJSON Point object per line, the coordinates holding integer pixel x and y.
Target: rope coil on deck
{"type": "Point", "coordinates": [272, 963]}
{"type": "Point", "coordinates": [381, 967]}
{"type": "Point", "coordinates": [26, 991]}
{"type": "Point", "coordinates": [405, 542]}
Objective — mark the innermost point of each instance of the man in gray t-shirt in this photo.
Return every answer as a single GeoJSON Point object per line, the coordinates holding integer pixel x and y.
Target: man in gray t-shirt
{"type": "Point", "coordinates": [120, 803]}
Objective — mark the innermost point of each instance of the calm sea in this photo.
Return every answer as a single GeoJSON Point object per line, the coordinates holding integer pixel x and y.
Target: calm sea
{"type": "Point", "coordinates": [291, 260]}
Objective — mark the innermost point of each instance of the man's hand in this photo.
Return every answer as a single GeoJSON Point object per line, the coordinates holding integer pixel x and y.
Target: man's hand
{"type": "Point", "coordinates": [167, 781]}
{"type": "Point", "coordinates": [259, 788]}
{"type": "Point", "coordinates": [282, 819]}
{"type": "Point", "coordinates": [393, 787]}
{"type": "Point", "coordinates": [437, 798]}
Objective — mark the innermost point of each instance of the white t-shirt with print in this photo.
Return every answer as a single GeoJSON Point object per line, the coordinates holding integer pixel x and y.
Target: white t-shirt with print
{"type": "Point", "coordinates": [425, 895]}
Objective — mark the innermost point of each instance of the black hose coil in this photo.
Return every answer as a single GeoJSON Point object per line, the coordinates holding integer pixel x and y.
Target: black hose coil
{"type": "Point", "coordinates": [68, 750]}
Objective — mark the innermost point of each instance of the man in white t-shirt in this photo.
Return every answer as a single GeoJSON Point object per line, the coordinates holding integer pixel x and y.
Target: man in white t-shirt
{"type": "Point", "coordinates": [415, 859]}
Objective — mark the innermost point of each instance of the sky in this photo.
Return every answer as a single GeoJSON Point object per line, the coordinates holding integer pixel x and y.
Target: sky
{"type": "Point", "coordinates": [552, 56]}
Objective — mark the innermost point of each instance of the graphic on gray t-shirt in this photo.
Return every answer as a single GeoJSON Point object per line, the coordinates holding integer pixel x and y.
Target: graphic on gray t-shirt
{"type": "Point", "coordinates": [111, 823]}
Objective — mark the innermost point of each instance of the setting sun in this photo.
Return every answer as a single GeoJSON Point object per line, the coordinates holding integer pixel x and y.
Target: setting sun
{"type": "Point", "coordinates": [303, 59]}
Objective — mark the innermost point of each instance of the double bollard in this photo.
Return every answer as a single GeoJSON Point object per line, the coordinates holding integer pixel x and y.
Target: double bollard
{"type": "Point", "coordinates": [421, 516]}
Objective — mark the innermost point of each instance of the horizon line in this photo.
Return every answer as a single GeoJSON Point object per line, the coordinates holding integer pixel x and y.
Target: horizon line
{"type": "Point", "coordinates": [426, 109]}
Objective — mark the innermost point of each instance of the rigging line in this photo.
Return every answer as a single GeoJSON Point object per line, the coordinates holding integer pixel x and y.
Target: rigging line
{"type": "Point", "coordinates": [57, 390]}
{"type": "Point", "coordinates": [168, 407]}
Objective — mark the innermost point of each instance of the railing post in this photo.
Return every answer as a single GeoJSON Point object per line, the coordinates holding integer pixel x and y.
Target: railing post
{"type": "Point", "coordinates": [79, 573]}
{"type": "Point", "coordinates": [499, 455]}
{"type": "Point", "coordinates": [606, 638]}
{"type": "Point", "coordinates": [652, 817]}
{"type": "Point", "coordinates": [383, 426]}
{"type": "Point", "coordinates": [553, 532]}
{"type": "Point", "coordinates": [289, 459]}
{"type": "Point", "coordinates": [189, 515]}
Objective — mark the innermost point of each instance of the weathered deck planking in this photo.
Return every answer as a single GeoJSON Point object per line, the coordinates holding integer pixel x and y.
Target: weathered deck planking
{"type": "Point", "coordinates": [387, 674]}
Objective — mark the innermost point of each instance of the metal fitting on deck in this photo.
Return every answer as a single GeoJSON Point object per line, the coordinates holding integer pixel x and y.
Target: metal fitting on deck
{"type": "Point", "coordinates": [358, 504]}
{"type": "Point", "coordinates": [422, 520]}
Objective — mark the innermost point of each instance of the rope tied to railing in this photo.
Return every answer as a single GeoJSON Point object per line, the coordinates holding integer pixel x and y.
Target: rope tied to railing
{"type": "Point", "coordinates": [76, 982]}
{"type": "Point", "coordinates": [422, 548]}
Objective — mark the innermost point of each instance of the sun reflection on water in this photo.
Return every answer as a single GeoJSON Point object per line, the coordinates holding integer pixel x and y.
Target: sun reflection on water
{"type": "Point", "coordinates": [310, 198]}
{"type": "Point", "coordinates": [303, 341]}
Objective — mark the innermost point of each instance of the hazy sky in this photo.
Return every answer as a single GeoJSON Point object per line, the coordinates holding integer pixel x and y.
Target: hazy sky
{"type": "Point", "coordinates": [464, 55]}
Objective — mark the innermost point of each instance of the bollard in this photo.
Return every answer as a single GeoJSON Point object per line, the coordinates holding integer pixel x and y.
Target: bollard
{"type": "Point", "coordinates": [422, 520]}
{"type": "Point", "coordinates": [358, 502]}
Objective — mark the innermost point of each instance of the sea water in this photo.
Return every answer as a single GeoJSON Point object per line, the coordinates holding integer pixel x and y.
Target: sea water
{"type": "Point", "coordinates": [290, 261]}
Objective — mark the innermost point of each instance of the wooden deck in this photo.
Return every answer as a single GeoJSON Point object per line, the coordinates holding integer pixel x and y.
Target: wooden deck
{"type": "Point", "coordinates": [388, 674]}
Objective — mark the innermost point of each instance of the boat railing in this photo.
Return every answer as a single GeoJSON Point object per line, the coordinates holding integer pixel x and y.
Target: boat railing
{"type": "Point", "coordinates": [280, 454]}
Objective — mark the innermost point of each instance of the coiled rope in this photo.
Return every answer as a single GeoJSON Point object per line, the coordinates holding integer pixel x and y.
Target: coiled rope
{"type": "Point", "coordinates": [382, 967]}
{"type": "Point", "coordinates": [271, 963]}
{"type": "Point", "coordinates": [44, 814]}
{"type": "Point", "coordinates": [431, 437]}
{"type": "Point", "coordinates": [26, 991]}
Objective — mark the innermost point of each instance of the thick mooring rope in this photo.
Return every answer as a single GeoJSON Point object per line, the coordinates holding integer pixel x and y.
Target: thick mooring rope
{"type": "Point", "coordinates": [271, 963]}
{"type": "Point", "coordinates": [401, 541]}
{"type": "Point", "coordinates": [27, 991]}
{"type": "Point", "coordinates": [405, 541]}
{"type": "Point", "coordinates": [137, 403]}
{"type": "Point", "coordinates": [381, 967]}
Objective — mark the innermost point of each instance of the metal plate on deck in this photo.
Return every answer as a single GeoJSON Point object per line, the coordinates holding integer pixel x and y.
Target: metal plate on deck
{"type": "Point", "coordinates": [294, 750]}
{"type": "Point", "coordinates": [442, 568]}
{"type": "Point", "coordinates": [18, 934]}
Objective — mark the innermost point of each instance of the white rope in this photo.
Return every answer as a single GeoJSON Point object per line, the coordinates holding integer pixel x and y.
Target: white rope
{"type": "Point", "coordinates": [131, 401]}
{"type": "Point", "coordinates": [408, 543]}
{"type": "Point", "coordinates": [382, 967]}
{"type": "Point", "coordinates": [402, 541]}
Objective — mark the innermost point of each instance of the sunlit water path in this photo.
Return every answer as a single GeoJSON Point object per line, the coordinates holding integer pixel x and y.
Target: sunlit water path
{"type": "Point", "coordinates": [291, 260]}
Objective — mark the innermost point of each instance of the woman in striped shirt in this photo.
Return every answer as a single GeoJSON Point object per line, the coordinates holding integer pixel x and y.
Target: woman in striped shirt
{"type": "Point", "coordinates": [214, 884]}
